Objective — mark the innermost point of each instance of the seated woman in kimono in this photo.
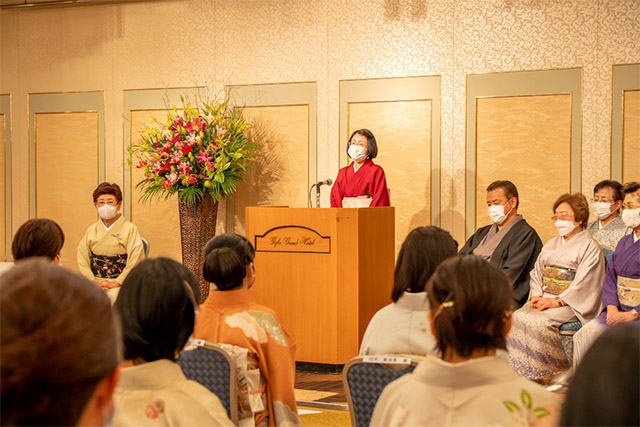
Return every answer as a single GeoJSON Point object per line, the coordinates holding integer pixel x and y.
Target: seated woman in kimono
{"type": "Point", "coordinates": [157, 307]}
{"type": "Point", "coordinates": [58, 348]}
{"type": "Point", "coordinates": [402, 326]}
{"type": "Point", "coordinates": [467, 384]}
{"type": "Point", "coordinates": [566, 286]}
{"type": "Point", "coordinates": [361, 184]}
{"type": "Point", "coordinates": [230, 315]}
{"type": "Point", "coordinates": [112, 246]}
{"type": "Point", "coordinates": [621, 289]}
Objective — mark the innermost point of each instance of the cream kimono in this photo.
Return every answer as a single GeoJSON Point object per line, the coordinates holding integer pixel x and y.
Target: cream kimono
{"type": "Point", "coordinates": [574, 272]}
{"type": "Point", "coordinates": [477, 392]}
{"type": "Point", "coordinates": [110, 253]}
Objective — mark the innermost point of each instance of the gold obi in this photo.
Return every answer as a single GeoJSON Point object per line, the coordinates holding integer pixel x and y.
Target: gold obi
{"type": "Point", "coordinates": [628, 291]}
{"type": "Point", "coordinates": [556, 280]}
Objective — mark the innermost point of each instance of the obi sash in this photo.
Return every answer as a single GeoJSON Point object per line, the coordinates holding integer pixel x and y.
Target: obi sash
{"type": "Point", "coordinates": [556, 280]}
{"type": "Point", "coordinates": [108, 267]}
{"type": "Point", "coordinates": [357, 202]}
{"type": "Point", "coordinates": [628, 291]}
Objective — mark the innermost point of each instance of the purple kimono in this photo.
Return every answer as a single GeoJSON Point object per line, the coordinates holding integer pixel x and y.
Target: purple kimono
{"type": "Point", "coordinates": [624, 262]}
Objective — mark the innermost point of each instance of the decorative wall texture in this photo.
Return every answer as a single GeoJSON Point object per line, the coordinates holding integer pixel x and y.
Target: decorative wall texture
{"type": "Point", "coordinates": [220, 42]}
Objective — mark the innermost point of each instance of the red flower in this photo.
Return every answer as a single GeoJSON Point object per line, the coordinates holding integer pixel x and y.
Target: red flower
{"type": "Point", "coordinates": [142, 164]}
{"type": "Point", "coordinates": [192, 179]}
{"type": "Point", "coordinates": [189, 127]}
{"type": "Point", "coordinates": [186, 149]}
{"type": "Point", "coordinates": [167, 166]}
{"type": "Point", "coordinates": [175, 139]}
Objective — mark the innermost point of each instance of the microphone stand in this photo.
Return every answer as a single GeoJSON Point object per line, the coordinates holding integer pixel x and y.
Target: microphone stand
{"type": "Point", "coordinates": [317, 196]}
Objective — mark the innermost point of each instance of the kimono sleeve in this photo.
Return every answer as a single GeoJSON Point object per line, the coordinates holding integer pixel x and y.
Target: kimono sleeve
{"type": "Point", "coordinates": [610, 288]}
{"type": "Point", "coordinates": [281, 382]}
{"type": "Point", "coordinates": [585, 293]}
{"type": "Point", "coordinates": [135, 252]}
{"type": "Point", "coordinates": [535, 284]}
{"type": "Point", "coordinates": [521, 253]}
{"type": "Point", "coordinates": [380, 191]}
{"type": "Point", "coordinates": [336, 191]}
{"type": "Point", "coordinates": [83, 258]}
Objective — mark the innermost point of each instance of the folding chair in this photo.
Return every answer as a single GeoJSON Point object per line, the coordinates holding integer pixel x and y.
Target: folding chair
{"type": "Point", "coordinates": [210, 365]}
{"type": "Point", "coordinates": [364, 378]}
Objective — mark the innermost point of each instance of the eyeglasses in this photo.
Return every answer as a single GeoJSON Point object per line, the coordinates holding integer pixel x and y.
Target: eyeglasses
{"type": "Point", "coordinates": [565, 215]}
{"type": "Point", "coordinates": [597, 200]}
{"type": "Point", "coordinates": [108, 202]}
{"type": "Point", "coordinates": [359, 143]}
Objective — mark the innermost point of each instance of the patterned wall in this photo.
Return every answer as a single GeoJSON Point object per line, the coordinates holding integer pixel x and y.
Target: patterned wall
{"type": "Point", "coordinates": [221, 42]}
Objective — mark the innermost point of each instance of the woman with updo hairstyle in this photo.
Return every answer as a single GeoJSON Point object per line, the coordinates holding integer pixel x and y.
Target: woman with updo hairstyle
{"type": "Point", "coordinates": [157, 307]}
{"type": "Point", "coordinates": [231, 315]}
{"type": "Point", "coordinates": [58, 348]}
{"type": "Point", "coordinates": [402, 326]}
{"type": "Point", "coordinates": [467, 384]}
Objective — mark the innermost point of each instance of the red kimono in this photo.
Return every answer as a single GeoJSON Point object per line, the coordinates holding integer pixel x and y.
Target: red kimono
{"type": "Point", "coordinates": [369, 180]}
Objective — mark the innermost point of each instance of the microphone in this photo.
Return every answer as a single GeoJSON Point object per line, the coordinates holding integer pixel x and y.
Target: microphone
{"type": "Point", "coordinates": [328, 181]}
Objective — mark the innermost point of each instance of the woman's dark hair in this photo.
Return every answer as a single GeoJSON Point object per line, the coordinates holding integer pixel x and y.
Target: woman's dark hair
{"type": "Point", "coordinates": [157, 304]}
{"type": "Point", "coordinates": [422, 251]}
{"type": "Point", "coordinates": [226, 258]}
{"type": "Point", "coordinates": [579, 206]}
{"type": "Point", "coordinates": [38, 237]}
{"type": "Point", "coordinates": [605, 388]}
{"type": "Point", "coordinates": [107, 188]}
{"type": "Point", "coordinates": [372, 145]}
{"type": "Point", "coordinates": [58, 339]}
{"type": "Point", "coordinates": [480, 296]}
{"type": "Point", "coordinates": [614, 185]}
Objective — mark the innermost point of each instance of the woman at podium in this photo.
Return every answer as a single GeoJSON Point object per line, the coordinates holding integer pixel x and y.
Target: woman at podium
{"type": "Point", "coordinates": [362, 184]}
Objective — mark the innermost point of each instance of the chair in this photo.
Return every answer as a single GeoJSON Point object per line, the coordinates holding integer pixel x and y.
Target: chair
{"type": "Point", "coordinates": [210, 365]}
{"type": "Point", "coordinates": [145, 245]}
{"type": "Point", "coordinates": [567, 331]}
{"type": "Point", "coordinates": [364, 378]}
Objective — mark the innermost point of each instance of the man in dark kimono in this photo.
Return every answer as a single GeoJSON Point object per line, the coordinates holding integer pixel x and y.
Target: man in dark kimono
{"type": "Point", "coordinates": [510, 242]}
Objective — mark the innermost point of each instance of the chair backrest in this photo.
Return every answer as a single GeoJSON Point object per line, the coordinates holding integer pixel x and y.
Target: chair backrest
{"type": "Point", "coordinates": [364, 378]}
{"type": "Point", "coordinates": [210, 365]}
{"type": "Point", "coordinates": [145, 245]}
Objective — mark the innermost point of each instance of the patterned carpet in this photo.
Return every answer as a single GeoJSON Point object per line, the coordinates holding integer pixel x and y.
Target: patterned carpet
{"type": "Point", "coordinates": [321, 399]}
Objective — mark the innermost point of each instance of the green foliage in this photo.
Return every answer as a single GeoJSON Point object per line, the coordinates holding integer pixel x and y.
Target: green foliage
{"type": "Point", "coordinates": [199, 150]}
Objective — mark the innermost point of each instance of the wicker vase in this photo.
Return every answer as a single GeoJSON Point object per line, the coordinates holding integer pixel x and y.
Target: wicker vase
{"type": "Point", "coordinates": [197, 227]}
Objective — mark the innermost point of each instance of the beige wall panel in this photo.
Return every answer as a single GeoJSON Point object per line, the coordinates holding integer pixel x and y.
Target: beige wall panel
{"type": "Point", "coordinates": [279, 175]}
{"type": "Point", "coordinates": [3, 190]}
{"type": "Point", "coordinates": [403, 133]}
{"type": "Point", "coordinates": [527, 140]}
{"type": "Point", "coordinates": [67, 174]}
{"type": "Point", "coordinates": [158, 220]}
{"type": "Point", "coordinates": [631, 136]}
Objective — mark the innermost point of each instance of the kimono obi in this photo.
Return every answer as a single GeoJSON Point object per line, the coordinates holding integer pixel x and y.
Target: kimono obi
{"type": "Point", "coordinates": [628, 291]}
{"type": "Point", "coordinates": [556, 280]}
{"type": "Point", "coordinates": [357, 202]}
{"type": "Point", "coordinates": [107, 267]}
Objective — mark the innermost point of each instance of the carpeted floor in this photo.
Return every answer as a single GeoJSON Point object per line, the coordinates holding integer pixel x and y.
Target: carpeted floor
{"type": "Point", "coordinates": [321, 399]}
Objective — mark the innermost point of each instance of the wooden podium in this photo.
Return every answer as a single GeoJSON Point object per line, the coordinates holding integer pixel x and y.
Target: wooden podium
{"type": "Point", "coordinates": [325, 272]}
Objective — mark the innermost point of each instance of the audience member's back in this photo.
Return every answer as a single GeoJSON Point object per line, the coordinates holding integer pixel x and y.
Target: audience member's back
{"type": "Point", "coordinates": [402, 326]}
{"type": "Point", "coordinates": [58, 348]}
{"type": "Point", "coordinates": [605, 390]}
{"type": "Point", "coordinates": [157, 307]}
{"type": "Point", "coordinates": [468, 384]}
{"type": "Point", "coordinates": [230, 315]}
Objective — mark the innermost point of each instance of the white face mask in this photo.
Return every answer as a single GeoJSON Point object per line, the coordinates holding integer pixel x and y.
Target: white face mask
{"type": "Point", "coordinates": [631, 217]}
{"type": "Point", "coordinates": [357, 153]}
{"type": "Point", "coordinates": [107, 211]}
{"type": "Point", "coordinates": [496, 213]}
{"type": "Point", "coordinates": [565, 227]}
{"type": "Point", "coordinates": [602, 209]}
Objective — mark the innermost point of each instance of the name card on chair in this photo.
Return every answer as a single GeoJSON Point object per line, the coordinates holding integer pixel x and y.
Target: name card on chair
{"type": "Point", "coordinates": [387, 359]}
{"type": "Point", "coordinates": [293, 238]}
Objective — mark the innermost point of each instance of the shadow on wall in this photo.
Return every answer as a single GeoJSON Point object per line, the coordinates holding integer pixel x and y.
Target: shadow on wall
{"type": "Point", "coordinates": [266, 171]}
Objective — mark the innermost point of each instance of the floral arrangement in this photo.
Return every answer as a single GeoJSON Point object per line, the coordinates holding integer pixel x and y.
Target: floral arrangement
{"type": "Point", "coordinates": [198, 150]}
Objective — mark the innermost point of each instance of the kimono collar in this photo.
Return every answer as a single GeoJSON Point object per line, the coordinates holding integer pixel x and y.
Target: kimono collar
{"type": "Point", "coordinates": [367, 162]}
{"type": "Point", "coordinates": [120, 218]}
{"type": "Point", "coordinates": [227, 299]}
{"type": "Point", "coordinates": [413, 301]}
{"type": "Point", "coordinates": [471, 373]}
{"type": "Point", "coordinates": [151, 375]}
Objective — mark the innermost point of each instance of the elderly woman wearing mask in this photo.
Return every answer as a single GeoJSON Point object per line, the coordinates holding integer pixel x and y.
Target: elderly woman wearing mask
{"type": "Point", "coordinates": [112, 246]}
{"type": "Point", "coordinates": [566, 285]}
{"type": "Point", "coordinates": [609, 228]}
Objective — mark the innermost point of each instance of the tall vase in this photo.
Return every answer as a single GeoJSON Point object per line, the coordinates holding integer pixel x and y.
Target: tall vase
{"type": "Point", "coordinates": [197, 227]}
